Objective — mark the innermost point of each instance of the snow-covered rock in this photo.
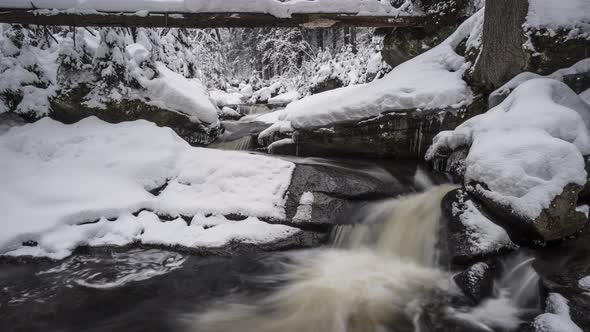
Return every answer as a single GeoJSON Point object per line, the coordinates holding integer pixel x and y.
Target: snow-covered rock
{"type": "Point", "coordinates": [432, 80]}
{"type": "Point", "coordinates": [526, 156]}
{"type": "Point", "coordinates": [471, 234]}
{"type": "Point", "coordinates": [557, 316]}
{"type": "Point", "coordinates": [57, 176]}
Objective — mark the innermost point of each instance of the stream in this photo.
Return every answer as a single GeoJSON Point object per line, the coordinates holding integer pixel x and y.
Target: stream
{"type": "Point", "coordinates": [377, 273]}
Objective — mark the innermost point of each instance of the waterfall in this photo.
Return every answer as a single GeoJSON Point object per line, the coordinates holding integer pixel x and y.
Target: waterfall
{"type": "Point", "coordinates": [363, 283]}
{"type": "Point", "coordinates": [376, 276]}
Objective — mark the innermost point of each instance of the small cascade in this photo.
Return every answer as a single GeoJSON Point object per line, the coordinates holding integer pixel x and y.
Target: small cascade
{"type": "Point", "coordinates": [520, 281]}
{"type": "Point", "coordinates": [362, 284]}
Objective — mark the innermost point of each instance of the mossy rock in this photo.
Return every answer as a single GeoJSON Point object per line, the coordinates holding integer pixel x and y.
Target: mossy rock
{"type": "Point", "coordinates": [69, 108]}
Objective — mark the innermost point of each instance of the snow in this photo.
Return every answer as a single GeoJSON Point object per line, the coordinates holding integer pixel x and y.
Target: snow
{"type": "Point", "coordinates": [55, 176]}
{"type": "Point", "coordinates": [147, 228]}
{"type": "Point", "coordinates": [279, 127]}
{"type": "Point", "coordinates": [29, 71]}
{"type": "Point", "coordinates": [273, 7]}
{"type": "Point", "coordinates": [273, 146]}
{"type": "Point", "coordinates": [304, 210]}
{"type": "Point", "coordinates": [554, 15]}
{"type": "Point", "coordinates": [230, 112]}
{"type": "Point", "coordinates": [223, 98]}
{"type": "Point", "coordinates": [584, 283]}
{"type": "Point", "coordinates": [285, 98]}
{"type": "Point", "coordinates": [175, 92]}
{"type": "Point", "coordinates": [586, 96]}
{"type": "Point", "coordinates": [432, 80]}
{"type": "Point", "coordinates": [484, 236]}
{"type": "Point", "coordinates": [557, 316]}
{"type": "Point", "coordinates": [583, 66]}
{"type": "Point", "coordinates": [528, 148]}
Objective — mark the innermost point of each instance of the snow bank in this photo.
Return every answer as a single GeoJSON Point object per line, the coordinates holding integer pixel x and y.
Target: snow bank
{"type": "Point", "coordinates": [147, 228]}
{"type": "Point", "coordinates": [528, 148]}
{"type": "Point", "coordinates": [432, 80]}
{"type": "Point", "coordinates": [554, 15]}
{"type": "Point", "coordinates": [557, 316]}
{"type": "Point", "coordinates": [56, 175]}
{"type": "Point", "coordinates": [273, 7]}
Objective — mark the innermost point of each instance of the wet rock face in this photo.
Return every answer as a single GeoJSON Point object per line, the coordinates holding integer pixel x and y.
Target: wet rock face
{"type": "Point", "coordinates": [559, 220]}
{"type": "Point", "coordinates": [398, 135]}
{"type": "Point", "coordinates": [70, 109]}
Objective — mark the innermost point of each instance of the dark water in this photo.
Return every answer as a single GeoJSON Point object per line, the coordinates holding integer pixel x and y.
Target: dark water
{"type": "Point", "coordinates": [140, 290]}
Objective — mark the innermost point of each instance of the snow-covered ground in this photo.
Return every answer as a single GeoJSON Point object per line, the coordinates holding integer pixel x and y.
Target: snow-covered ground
{"type": "Point", "coordinates": [273, 7]}
{"type": "Point", "coordinates": [528, 148]}
{"type": "Point", "coordinates": [57, 176]}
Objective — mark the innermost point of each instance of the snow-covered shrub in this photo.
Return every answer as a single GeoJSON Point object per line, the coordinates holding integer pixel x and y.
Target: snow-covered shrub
{"type": "Point", "coordinates": [27, 70]}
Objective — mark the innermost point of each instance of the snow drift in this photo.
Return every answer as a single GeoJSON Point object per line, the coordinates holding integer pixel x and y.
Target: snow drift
{"type": "Point", "coordinates": [57, 175]}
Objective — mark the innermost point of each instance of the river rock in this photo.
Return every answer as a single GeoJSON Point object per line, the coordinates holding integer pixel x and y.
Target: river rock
{"type": "Point", "coordinates": [471, 235]}
{"type": "Point", "coordinates": [398, 135]}
{"type": "Point", "coordinates": [477, 281]}
{"type": "Point", "coordinates": [70, 108]}
{"type": "Point", "coordinates": [561, 219]}
{"type": "Point", "coordinates": [320, 194]}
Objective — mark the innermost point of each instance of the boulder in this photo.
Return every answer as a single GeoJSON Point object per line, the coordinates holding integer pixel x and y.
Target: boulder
{"type": "Point", "coordinates": [471, 235]}
{"type": "Point", "coordinates": [70, 108]}
{"type": "Point", "coordinates": [477, 281]}
{"type": "Point", "coordinates": [561, 219]}
{"type": "Point", "coordinates": [321, 195]}
{"type": "Point", "coordinates": [398, 135]}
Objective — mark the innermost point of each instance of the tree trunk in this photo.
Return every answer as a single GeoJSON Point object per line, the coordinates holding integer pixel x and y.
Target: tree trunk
{"type": "Point", "coordinates": [502, 55]}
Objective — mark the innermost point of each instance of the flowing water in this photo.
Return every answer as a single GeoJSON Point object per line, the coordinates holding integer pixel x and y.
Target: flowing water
{"type": "Point", "coordinates": [375, 277]}
{"type": "Point", "coordinates": [378, 274]}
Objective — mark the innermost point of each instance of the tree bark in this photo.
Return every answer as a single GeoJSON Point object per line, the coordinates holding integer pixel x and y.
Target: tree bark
{"type": "Point", "coordinates": [502, 55]}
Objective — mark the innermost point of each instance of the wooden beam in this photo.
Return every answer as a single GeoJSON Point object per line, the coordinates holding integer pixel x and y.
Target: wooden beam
{"type": "Point", "coordinates": [203, 20]}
